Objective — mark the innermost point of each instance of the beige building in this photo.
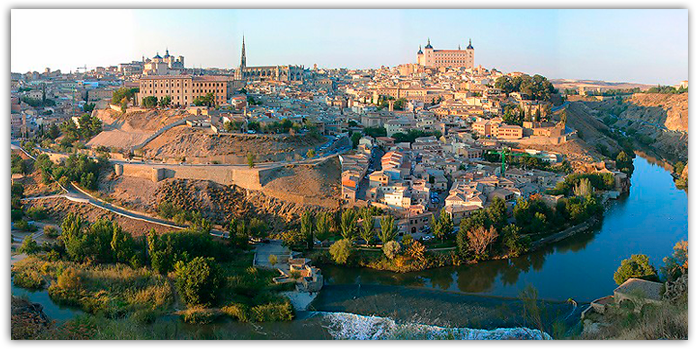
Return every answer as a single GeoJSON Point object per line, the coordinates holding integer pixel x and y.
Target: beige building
{"type": "Point", "coordinates": [446, 58]}
{"type": "Point", "coordinates": [496, 128]}
{"type": "Point", "coordinates": [185, 88]}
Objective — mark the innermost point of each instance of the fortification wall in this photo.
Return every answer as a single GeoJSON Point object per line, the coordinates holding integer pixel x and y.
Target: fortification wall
{"type": "Point", "coordinates": [226, 175]}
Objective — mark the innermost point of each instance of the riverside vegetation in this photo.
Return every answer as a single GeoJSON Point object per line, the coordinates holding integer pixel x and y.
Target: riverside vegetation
{"type": "Point", "coordinates": [484, 235]}
{"type": "Point", "coordinates": [114, 277]}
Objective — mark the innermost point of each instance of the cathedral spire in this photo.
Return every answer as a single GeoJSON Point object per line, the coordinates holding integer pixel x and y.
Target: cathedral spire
{"type": "Point", "coordinates": [243, 63]}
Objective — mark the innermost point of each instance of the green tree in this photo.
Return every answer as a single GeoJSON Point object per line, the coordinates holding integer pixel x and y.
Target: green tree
{"type": "Point", "coordinates": [123, 95]}
{"type": "Point", "coordinates": [367, 228]}
{"type": "Point", "coordinates": [355, 138]}
{"type": "Point", "coordinates": [165, 101]}
{"type": "Point", "coordinates": [442, 226]}
{"type": "Point", "coordinates": [310, 153]}
{"type": "Point", "coordinates": [323, 225]}
{"type": "Point", "coordinates": [514, 244]}
{"type": "Point", "coordinates": [272, 259]}
{"type": "Point", "coordinates": [122, 245]}
{"type": "Point", "coordinates": [149, 101]}
{"type": "Point", "coordinates": [29, 246]}
{"type": "Point", "coordinates": [251, 160]}
{"type": "Point", "coordinates": [348, 227]}
{"type": "Point", "coordinates": [388, 230]}
{"type": "Point", "coordinates": [341, 250]}
{"type": "Point", "coordinates": [199, 280]}
{"type": "Point", "coordinates": [307, 228]}
{"type": "Point", "coordinates": [637, 266]}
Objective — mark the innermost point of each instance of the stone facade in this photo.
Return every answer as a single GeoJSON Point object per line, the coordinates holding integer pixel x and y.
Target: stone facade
{"type": "Point", "coordinates": [446, 58]}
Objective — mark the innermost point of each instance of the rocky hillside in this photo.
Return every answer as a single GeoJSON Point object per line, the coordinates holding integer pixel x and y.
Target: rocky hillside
{"type": "Point", "coordinates": [657, 122]}
{"type": "Point", "coordinates": [669, 110]}
{"type": "Point", "coordinates": [222, 203]}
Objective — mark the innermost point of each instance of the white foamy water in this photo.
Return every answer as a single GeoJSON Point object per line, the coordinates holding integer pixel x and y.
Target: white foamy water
{"type": "Point", "coordinates": [343, 325]}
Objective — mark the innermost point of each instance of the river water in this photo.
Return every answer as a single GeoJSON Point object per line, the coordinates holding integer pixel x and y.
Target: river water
{"type": "Point", "coordinates": [650, 220]}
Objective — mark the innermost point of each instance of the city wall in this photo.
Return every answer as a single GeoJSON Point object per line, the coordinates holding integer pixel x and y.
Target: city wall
{"type": "Point", "coordinates": [243, 177]}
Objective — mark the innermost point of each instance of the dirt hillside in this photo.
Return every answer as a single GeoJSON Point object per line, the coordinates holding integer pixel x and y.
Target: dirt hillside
{"type": "Point", "coordinates": [305, 184]}
{"type": "Point", "coordinates": [123, 130]}
{"type": "Point", "coordinates": [183, 141]}
{"type": "Point", "coordinates": [223, 203]}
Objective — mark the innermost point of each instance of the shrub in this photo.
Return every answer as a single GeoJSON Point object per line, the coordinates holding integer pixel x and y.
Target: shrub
{"type": "Point", "coordinates": [50, 231]}
{"type": "Point", "coordinates": [69, 279]}
{"type": "Point", "coordinates": [29, 279]}
{"type": "Point", "coordinates": [390, 249]}
{"type": "Point", "coordinates": [270, 312]}
{"type": "Point", "coordinates": [341, 250]}
{"type": "Point", "coordinates": [37, 213]}
{"type": "Point", "coordinates": [24, 225]}
{"type": "Point", "coordinates": [272, 259]}
{"type": "Point", "coordinates": [29, 246]}
{"type": "Point", "coordinates": [199, 315]}
{"type": "Point", "coordinates": [237, 311]}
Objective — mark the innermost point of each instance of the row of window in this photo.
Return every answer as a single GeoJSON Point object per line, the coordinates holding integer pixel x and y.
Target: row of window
{"type": "Point", "coordinates": [200, 91]}
{"type": "Point", "coordinates": [152, 85]}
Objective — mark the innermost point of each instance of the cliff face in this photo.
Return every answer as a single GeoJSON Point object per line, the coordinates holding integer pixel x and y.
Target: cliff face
{"type": "Point", "coordinates": [657, 121]}
{"type": "Point", "coordinates": [669, 110]}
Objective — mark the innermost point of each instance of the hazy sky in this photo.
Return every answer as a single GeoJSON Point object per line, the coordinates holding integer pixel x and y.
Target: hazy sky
{"type": "Point", "coordinates": [645, 46]}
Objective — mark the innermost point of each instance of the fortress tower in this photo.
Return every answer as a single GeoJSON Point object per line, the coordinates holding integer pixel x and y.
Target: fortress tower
{"type": "Point", "coordinates": [446, 58]}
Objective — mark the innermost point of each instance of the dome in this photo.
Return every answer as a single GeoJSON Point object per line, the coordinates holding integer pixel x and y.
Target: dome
{"type": "Point", "coordinates": [420, 51]}
{"type": "Point", "coordinates": [470, 47]}
{"type": "Point", "coordinates": [428, 46]}
{"type": "Point", "coordinates": [157, 56]}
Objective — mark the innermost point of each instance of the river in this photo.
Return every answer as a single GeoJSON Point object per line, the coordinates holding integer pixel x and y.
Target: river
{"type": "Point", "coordinates": [650, 220]}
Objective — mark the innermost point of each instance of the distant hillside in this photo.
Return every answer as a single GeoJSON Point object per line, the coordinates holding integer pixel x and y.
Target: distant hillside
{"type": "Point", "coordinates": [562, 84]}
{"type": "Point", "coordinates": [658, 121]}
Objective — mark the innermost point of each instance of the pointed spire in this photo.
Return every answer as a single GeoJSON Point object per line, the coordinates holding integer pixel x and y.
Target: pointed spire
{"type": "Point", "coordinates": [243, 58]}
{"type": "Point", "coordinates": [470, 47]}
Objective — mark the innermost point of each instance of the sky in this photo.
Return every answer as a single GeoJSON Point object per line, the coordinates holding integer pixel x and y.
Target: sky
{"type": "Point", "coordinates": [642, 46]}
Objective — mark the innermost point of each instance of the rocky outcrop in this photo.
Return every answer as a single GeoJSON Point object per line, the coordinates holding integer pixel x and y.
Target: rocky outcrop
{"type": "Point", "coordinates": [28, 320]}
{"type": "Point", "coordinates": [677, 290]}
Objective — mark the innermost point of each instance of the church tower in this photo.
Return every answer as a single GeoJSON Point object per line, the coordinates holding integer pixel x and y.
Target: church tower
{"type": "Point", "coordinates": [243, 55]}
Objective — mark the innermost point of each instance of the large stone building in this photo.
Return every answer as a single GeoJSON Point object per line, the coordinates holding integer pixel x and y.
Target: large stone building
{"type": "Point", "coordinates": [262, 73]}
{"type": "Point", "coordinates": [163, 65]}
{"type": "Point", "coordinates": [185, 88]}
{"type": "Point", "coordinates": [446, 58]}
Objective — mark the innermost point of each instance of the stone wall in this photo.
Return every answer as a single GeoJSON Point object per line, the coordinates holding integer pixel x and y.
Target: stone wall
{"type": "Point", "coordinates": [243, 177]}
